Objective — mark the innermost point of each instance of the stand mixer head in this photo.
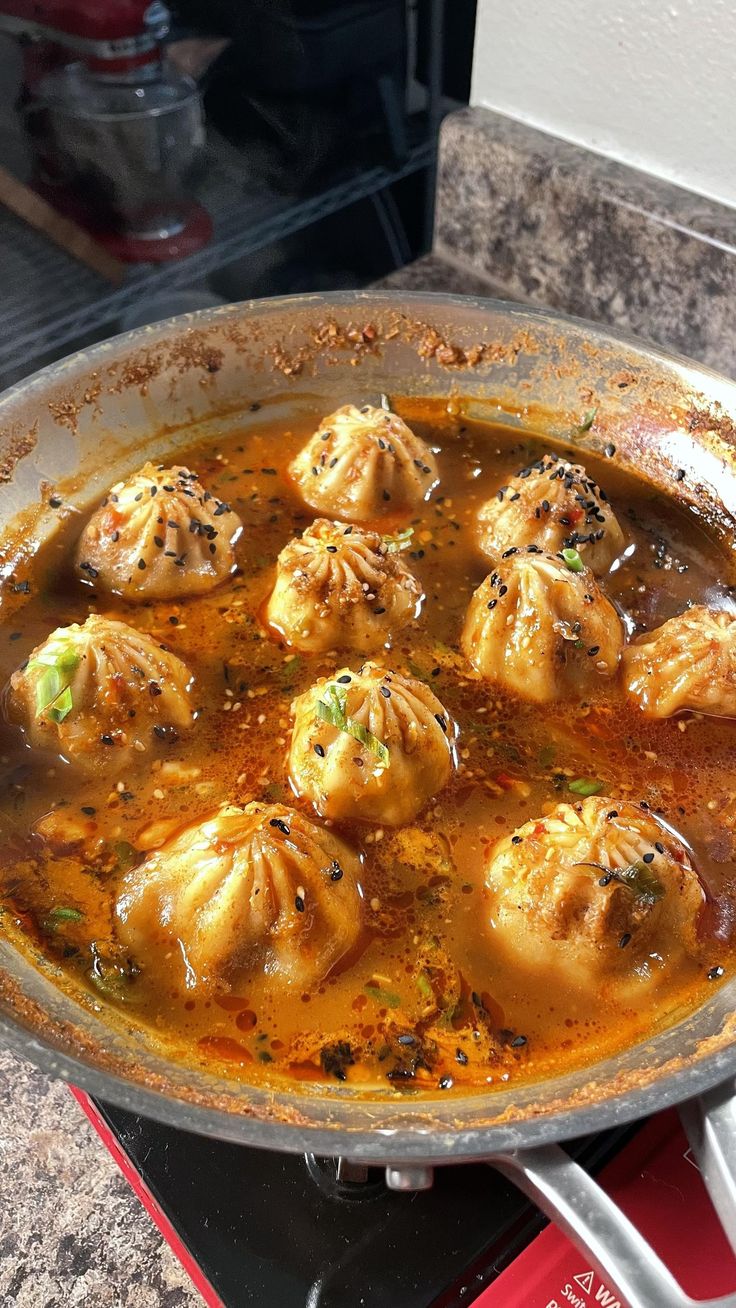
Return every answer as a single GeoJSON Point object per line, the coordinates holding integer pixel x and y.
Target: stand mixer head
{"type": "Point", "coordinates": [115, 132]}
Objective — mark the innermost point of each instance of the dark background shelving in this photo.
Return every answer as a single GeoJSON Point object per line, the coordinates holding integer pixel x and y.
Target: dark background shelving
{"type": "Point", "coordinates": [315, 176]}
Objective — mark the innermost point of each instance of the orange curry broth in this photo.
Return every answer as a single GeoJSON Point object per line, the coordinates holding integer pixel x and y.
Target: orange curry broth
{"type": "Point", "coordinates": [427, 941]}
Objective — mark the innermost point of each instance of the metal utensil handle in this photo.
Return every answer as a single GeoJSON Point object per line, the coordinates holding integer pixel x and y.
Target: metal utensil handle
{"type": "Point", "coordinates": [594, 1223]}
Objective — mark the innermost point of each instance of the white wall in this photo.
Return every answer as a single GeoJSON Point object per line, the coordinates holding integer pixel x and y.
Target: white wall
{"type": "Point", "coordinates": [652, 84]}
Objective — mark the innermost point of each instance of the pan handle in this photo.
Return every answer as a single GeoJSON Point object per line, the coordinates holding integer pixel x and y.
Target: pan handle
{"type": "Point", "coordinates": [710, 1123]}
{"type": "Point", "coordinates": [593, 1222]}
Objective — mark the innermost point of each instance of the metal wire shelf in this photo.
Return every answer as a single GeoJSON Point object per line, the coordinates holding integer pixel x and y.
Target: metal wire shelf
{"type": "Point", "coordinates": [50, 300]}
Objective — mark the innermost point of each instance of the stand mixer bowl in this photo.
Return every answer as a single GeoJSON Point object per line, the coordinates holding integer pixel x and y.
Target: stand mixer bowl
{"type": "Point", "coordinates": [122, 151]}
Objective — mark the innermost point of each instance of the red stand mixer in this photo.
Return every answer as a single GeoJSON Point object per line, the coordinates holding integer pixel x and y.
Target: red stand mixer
{"type": "Point", "coordinates": [115, 131]}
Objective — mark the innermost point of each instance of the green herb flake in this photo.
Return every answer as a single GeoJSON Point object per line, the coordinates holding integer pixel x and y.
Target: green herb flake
{"type": "Point", "coordinates": [400, 540]}
{"type": "Point", "coordinates": [585, 786]}
{"type": "Point", "coordinates": [547, 756]}
{"type": "Point", "coordinates": [588, 420]}
{"type": "Point", "coordinates": [638, 877]}
{"type": "Point", "coordinates": [387, 997]}
{"type": "Point", "coordinates": [573, 560]}
{"type": "Point", "coordinates": [59, 914]}
{"type": "Point", "coordinates": [53, 688]}
{"type": "Point", "coordinates": [333, 710]}
{"type": "Point", "coordinates": [424, 986]}
{"type": "Point", "coordinates": [126, 854]}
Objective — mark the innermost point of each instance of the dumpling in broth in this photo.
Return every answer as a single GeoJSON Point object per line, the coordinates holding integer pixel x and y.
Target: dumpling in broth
{"type": "Point", "coordinates": [371, 745]}
{"type": "Point", "coordinates": [248, 890]}
{"type": "Point", "coordinates": [555, 505]}
{"type": "Point", "coordinates": [364, 464]}
{"type": "Point", "coordinates": [159, 535]}
{"type": "Point", "coordinates": [341, 586]}
{"type": "Point", "coordinates": [538, 628]}
{"type": "Point", "coordinates": [594, 890]}
{"type": "Point", "coordinates": [687, 663]}
{"type": "Point", "coordinates": [100, 693]}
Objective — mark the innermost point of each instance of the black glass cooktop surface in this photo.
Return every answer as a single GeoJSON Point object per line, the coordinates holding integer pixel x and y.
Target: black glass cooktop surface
{"type": "Point", "coordinates": [283, 1230]}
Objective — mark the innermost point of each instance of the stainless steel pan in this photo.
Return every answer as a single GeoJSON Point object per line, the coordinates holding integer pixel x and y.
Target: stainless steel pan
{"type": "Point", "coordinates": [77, 425]}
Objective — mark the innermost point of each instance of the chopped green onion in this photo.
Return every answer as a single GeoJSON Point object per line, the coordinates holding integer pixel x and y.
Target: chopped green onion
{"type": "Point", "coordinates": [637, 877]}
{"type": "Point", "coordinates": [424, 986]}
{"type": "Point", "coordinates": [400, 540]}
{"type": "Point", "coordinates": [53, 689]}
{"type": "Point", "coordinates": [126, 854]}
{"type": "Point", "coordinates": [573, 560]}
{"type": "Point", "coordinates": [586, 424]}
{"type": "Point", "coordinates": [381, 996]}
{"type": "Point", "coordinates": [62, 705]}
{"type": "Point", "coordinates": [585, 786]}
{"type": "Point", "coordinates": [334, 712]}
{"type": "Point", "coordinates": [62, 914]}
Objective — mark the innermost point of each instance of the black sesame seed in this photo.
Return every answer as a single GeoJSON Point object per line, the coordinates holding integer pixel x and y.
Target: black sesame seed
{"type": "Point", "coordinates": [594, 649]}
{"type": "Point", "coordinates": [15, 635]}
{"type": "Point", "coordinates": [158, 542]}
{"type": "Point", "coordinates": [142, 564]}
{"type": "Point", "coordinates": [680, 474]}
{"type": "Point", "coordinates": [378, 612]}
{"type": "Point", "coordinates": [716, 973]}
{"type": "Point", "coordinates": [168, 734]}
{"type": "Point", "coordinates": [55, 502]}
{"type": "Point", "coordinates": [174, 620]}
{"type": "Point", "coordinates": [22, 587]}
{"type": "Point", "coordinates": [518, 1042]}
{"type": "Point", "coordinates": [106, 740]}
{"type": "Point", "coordinates": [269, 472]}
{"type": "Point", "coordinates": [442, 721]}
{"type": "Point", "coordinates": [280, 826]}
{"type": "Point", "coordinates": [503, 590]}
{"type": "Point", "coordinates": [659, 846]}
{"type": "Point", "coordinates": [298, 903]}
{"type": "Point", "coordinates": [386, 495]}
{"type": "Point", "coordinates": [623, 942]}
{"type": "Point", "coordinates": [461, 1057]}
{"type": "Point", "coordinates": [88, 810]}
{"type": "Point", "coordinates": [331, 549]}
{"type": "Point", "coordinates": [648, 858]}
{"type": "Point", "coordinates": [319, 751]}
{"type": "Point", "coordinates": [406, 1040]}
{"type": "Point", "coordinates": [335, 871]}
{"type": "Point", "coordinates": [385, 692]}
{"type": "Point", "coordinates": [344, 679]}
{"type": "Point", "coordinates": [445, 1083]}
{"type": "Point", "coordinates": [516, 840]}
{"type": "Point", "coordinates": [492, 603]}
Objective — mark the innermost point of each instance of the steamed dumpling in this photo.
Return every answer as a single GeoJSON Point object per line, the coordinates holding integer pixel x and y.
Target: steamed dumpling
{"type": "Point", "coordinates": [371, 745]}
{"type": "Point", "coordinates": [537, 628]}
{"type": "Point", "coordinates": [595, 888]}
{"type": "Point", "coordinates": [553, 504]}
{"type": "Point", "coordinates": [339, 585]}
{"type": "Point", "coordinates": [159, 535]}
{"type": "Point", "coordinates": [96, 692]}
{"type": "Point", "coordinates": [253, 889]}
{"type": "Point", "coordinates": [362, 464]}
{"type": "Point", "coordinates": [688, 663]}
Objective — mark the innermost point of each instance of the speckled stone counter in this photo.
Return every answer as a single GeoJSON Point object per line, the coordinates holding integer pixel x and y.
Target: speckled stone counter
{"type": "Point", "coordinates": [540, 220]}
{"type": "Point", "coordinates": [72, 1233]}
